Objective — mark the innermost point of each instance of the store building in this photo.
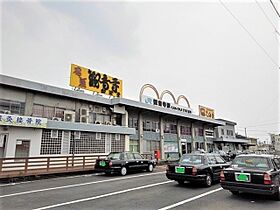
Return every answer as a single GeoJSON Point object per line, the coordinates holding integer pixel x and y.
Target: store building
{"type": "Point", "coordinates": [226, 139]}
{"type": "Point", "coordinates": [39, 120]}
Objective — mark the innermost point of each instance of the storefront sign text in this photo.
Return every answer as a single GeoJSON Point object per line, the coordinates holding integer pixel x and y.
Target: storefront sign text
{"type": "Point", "coordinates": [92, 80]}
{"type": "Point", "coordinates": [156, 102]}
{"type": "Point", "coordinates": [23, 121]}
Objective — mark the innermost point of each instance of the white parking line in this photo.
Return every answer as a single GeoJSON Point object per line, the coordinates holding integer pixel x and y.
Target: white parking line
{"type": "Point", "coordinates": [104, 195]}
{"type": "Point", "coordinates": [57, 178]}
{"type": "Point", "coordinates": [78, 185]}
{"type": "Point", "coordinates": [190, 199]}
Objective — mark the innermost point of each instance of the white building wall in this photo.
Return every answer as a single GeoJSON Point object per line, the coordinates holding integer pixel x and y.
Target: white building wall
{"type": "Point", "coordinates": [19, 133]}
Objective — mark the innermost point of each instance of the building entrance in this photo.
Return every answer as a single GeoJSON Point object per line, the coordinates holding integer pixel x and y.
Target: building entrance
{"type": "Point", "coordinates": [3, 144]}
{"type": "Point", "coordinates": [22, 148]}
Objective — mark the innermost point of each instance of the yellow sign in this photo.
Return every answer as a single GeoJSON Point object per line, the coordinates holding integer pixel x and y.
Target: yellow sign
{"type": "Point", "coordinates": [92, 80]}
{"type": "Point", "coordinates": [206, 112]}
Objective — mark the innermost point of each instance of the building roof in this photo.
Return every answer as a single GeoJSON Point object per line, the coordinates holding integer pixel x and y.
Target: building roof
{"type": "Point", "coordinates": [52, 90]}
{"type": "Point", "coordinates": [137, 104]}
{"type": "Point", "coordinates": [231, 140]}
{"type": "Point", "coordinates": [228, 122]}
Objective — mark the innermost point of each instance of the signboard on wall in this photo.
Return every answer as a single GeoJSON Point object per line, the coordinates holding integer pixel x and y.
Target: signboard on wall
{"type": "Point", "coordinates": [23, 121]}
{"type": "Point", "coordinates": [170, 147]}
{"type": "Point", "coordinates": [95, 81]}
{"type": "Point", "coordinates": [156, 102]}
{"type": "Point", "coordinates": [206, 112]}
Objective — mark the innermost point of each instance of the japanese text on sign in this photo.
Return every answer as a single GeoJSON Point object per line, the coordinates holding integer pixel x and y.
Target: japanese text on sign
{"type": "Point", "coordinates": [206, 112]}
{"type": "Point", "coordinates": [23, 121]}
{"type": "Point", "coordinates": [92, 80]}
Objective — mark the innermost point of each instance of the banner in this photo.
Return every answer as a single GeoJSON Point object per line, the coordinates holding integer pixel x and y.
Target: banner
{"type": "Point", "coordinates": [92, 80]}
{"type": "Point", "coordinates": [23, 121]}
{"type": "Point", "coordinates": [206, 112]}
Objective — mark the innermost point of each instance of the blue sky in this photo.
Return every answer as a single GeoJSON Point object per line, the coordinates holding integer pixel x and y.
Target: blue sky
{"type": "Point", "coordinates": [192, 48]}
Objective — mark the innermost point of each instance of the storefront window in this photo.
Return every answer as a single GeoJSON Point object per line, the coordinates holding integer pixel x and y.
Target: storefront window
{"type": "Point", "coordinates": [13, 107]}
{"type": "Point", "coordinates": [170, 128]}
{"type": "Point", "coordinates": [185, 130]}
{"type": "Point", "coordinates": [133, 123]}
{"type": "Point", "coordinates": [150, 126]}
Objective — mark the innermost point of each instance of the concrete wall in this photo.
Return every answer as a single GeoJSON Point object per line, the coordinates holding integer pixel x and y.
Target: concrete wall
{"type": "Point", "coordinates": [12, 94]}
{"type": "Point", "coordinates": [54, 101]}
{"type": "Point", "coordinates": [18, 133]}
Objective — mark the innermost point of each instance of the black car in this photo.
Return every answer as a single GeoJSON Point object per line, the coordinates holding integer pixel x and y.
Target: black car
{"type": "Point", "coordinates": [123, 162]}
{"type": "Point", "coordinates": [253, 173]}
{"type": "Point", "coordinates": [223, 154]}
{"type": "Point", "coordinates": [202, 168]}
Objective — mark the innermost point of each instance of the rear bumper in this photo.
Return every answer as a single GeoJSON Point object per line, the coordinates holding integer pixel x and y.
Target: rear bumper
{"type": "Point", "coordinates": [250, 188]}
{"type": "Point", "coordinates": [108, 170]}
{"type": "Point", "coordinates": [184, 177]}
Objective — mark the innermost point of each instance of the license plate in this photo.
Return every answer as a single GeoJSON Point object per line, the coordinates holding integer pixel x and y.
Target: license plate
{"type": "Point", "coordinates": [180, 170]}
{"type": "Point", "coordinates": [102, 163]}
{"type": "Point", "coordinates": [242, 177]}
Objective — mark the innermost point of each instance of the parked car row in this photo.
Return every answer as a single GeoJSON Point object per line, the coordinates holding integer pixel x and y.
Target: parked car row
{"type": "Point", "coordinates": [251, 173]}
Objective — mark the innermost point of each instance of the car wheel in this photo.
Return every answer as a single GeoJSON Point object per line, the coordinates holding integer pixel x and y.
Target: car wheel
{"type": "Point", "coordinates": [208, 180]}
{"type": "Point", "coordinates": [277, 195]}
{"type": "Point", "coordinates": [180, 182]}
{"type": "Point", "coordinates": [150, 168]}
{"type": "Point", "coordinates": [123, 171]}
{"type": "Point", "coordinates": [234, 192]}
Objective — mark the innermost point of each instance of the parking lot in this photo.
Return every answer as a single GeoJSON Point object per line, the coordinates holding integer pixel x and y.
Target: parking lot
{"type": "Point", "coordinates": [134, 191]}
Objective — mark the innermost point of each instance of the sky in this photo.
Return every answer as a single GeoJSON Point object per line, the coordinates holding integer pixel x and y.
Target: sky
{"type": "Point", "coordinates": [220, 54]}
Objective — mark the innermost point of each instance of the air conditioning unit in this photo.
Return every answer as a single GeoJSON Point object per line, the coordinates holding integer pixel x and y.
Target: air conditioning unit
{"type": "Point", "coordinates": [77, 135]}
{"type": "Point", "coordinates": [56, 118]}
{"type": "Point", "coordinates": [83, 119]}
{"type": "Point", "coordinates": [97, 122]}
{"type": "Point", "coordinates": [84, 115]}
{"type": "Point", "coordinates": [84, 112]}
{"type": "Point", "coordinates": [69, 116]}
{"type": "Point", "coordinates": [108, 123]}
{"type": "Point", "coordinates": [157, 130]}
{"type": "Point", "coordinates": [104, 109]}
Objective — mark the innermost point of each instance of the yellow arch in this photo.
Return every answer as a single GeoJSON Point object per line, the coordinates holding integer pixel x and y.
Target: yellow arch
{"type": "Point", "coordinates": [145, 87]}
{"type": "Point", "coordinates": [167, 91]}
{"type": "Point", "coordinates": [183, 97]}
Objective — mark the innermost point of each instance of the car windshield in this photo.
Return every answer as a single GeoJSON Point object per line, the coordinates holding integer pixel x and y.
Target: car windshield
{"type": "Point", "coordinates": [114, 156]}
{"type": "Point", "coordinates": [191, 159]}
{"type": "Point", "coordinates": [251, 162]}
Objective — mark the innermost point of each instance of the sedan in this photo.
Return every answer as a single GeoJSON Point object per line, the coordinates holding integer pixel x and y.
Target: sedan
{"type": "Point", "coordinates": [253, 173]}
{"type": "Point", "coordinates": [200, 168]}
{"type": "Point", "coordinates": [123, 162]}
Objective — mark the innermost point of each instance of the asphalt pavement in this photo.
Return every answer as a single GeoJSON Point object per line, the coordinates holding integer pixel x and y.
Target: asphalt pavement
{"type": "Point", "coordinates": [134, 191]}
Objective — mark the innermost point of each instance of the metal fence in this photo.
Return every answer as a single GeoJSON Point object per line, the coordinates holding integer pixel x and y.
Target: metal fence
{"type": "Point", "coordinates": [17, 167]}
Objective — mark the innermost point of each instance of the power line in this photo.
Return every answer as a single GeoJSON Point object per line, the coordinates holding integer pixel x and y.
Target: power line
{"type": "Point", "coordinates": [272, 24]}
{"type": "Point", "coordinates": [252, 37]}
{"type": "Point", "coordinates": [274, 8]}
